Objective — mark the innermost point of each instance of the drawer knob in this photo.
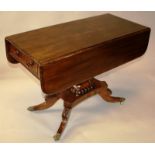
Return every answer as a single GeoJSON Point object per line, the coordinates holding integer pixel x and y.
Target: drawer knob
{"type": "Point", "coordinates": [30, 64]}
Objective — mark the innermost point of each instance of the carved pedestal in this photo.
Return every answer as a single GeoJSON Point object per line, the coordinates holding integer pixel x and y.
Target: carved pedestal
{"type": "Point", "coordinates": [73, 96]}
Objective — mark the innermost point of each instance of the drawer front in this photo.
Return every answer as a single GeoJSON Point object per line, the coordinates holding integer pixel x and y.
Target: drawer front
{"type": "Point", "coordinates": [25, 60]}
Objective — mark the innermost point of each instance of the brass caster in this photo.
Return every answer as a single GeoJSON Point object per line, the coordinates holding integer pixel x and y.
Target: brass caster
{"type": "Point", "coordinates": [122, 102]}
{"type": "Point", "coordinates": [57, 137]}
{"type": "Point", "coordinates": [30, 109]}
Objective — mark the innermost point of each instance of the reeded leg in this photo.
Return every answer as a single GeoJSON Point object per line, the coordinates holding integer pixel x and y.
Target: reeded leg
{"type": "Point", "coordinates": [105, 93]}
{"type": "Point", "coordinates": [65, 117]}
{"type": "Point", "coordinates": [49, 101]}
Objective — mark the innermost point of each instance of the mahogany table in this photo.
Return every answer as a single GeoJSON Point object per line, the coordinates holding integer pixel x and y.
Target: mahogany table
{"type": "Point", "coordinates": [66, 57]}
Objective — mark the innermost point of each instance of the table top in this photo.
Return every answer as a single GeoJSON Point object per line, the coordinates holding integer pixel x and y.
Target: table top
{"type": "Point", "coordinates": [51, 43]}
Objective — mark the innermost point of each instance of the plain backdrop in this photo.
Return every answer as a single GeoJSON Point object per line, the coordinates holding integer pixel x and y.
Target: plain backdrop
{"type": "Point", "coordinates": [93, 120]}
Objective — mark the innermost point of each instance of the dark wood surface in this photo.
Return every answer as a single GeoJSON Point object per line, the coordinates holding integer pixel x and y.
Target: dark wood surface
{"type": "Point", "coordinates": [67, 54]}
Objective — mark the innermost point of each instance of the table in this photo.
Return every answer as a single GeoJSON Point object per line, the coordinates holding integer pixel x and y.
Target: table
{"type": "Point", "coordinates": [66, 57]}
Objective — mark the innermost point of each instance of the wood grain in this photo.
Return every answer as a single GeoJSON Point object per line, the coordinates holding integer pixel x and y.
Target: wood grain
{"type": "Point", "coordinates": [73, 52]}
{"type": "Point", "coordinates": [80, 67]}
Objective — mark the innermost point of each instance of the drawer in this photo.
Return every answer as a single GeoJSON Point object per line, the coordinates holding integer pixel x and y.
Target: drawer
{"type": "Point", "coordinates": [24, 60]}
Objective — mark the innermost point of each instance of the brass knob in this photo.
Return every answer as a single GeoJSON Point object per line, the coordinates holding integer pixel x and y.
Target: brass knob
{"type": "Point", "coordinates": [30, 63]}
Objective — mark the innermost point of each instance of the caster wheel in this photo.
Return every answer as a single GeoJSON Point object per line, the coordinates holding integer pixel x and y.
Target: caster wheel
{"type": "Point", "coordinates": [122, 101]}
{"type": "Point", "coordinates": [56, 137]}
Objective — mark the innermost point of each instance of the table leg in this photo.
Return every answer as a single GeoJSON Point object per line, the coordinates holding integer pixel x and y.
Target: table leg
{"type": "Point", "coordinates": [105, 93]}
{"type": "Point", "coordinates": [50, 100]}
{"type": "Point", "coordinates": [65, 117]}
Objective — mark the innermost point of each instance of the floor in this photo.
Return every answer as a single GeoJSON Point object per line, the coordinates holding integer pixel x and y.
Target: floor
{"type": "Point", "coordinates": [93, 120]}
